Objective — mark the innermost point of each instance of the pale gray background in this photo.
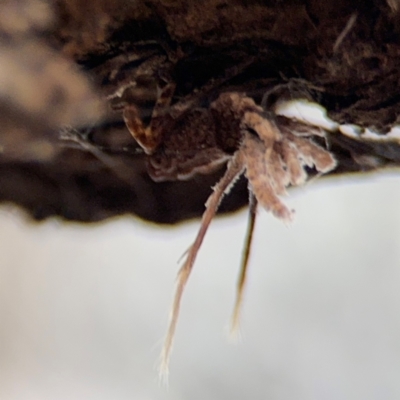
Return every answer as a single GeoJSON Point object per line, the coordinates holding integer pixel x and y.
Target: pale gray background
{"type": "Point", "coordinates": [83, 309]}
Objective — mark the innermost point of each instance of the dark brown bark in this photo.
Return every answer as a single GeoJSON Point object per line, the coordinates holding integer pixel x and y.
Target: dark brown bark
{"type": "Point", "coordinates": [65, 148]}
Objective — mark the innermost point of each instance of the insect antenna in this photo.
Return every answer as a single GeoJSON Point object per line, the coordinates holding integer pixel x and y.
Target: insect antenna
{"type": "Point", "coordinates": [234, 169]}
{"type": "Point", "coordinates": [244, 263]}
{"type": "Point", "coordinates": [68, 134]}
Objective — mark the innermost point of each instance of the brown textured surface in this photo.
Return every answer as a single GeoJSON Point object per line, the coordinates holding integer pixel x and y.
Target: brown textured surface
{"type": "Point", "coordinates": [60, 60]}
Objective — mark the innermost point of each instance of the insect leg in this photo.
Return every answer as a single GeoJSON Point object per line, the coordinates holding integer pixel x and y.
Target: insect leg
{"type": "Point", "coordinates": [244, 263]}
{"type": "Point", "coordinates": [160, 116]}
{"type": "Point", "coordinates": [150, 137]}
{"type": "Point", "coordinates": [234, 170]}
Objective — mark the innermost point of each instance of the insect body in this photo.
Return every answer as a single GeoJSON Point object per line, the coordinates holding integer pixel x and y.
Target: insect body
{"type": "Point", "coordinates": [273, 153]}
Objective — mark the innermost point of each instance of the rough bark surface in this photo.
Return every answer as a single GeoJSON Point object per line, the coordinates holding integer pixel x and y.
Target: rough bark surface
{"type": "Point", "coordinates": [64, 147]}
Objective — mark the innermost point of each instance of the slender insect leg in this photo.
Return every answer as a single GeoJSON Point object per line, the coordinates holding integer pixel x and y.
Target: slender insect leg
{"type": "Point", "coordinates": [244, 263]}
{"type": "Point", "coordinates": [234, 169]}
{"type": "Point", "coordinates": [136, 128]}
{"type": "Point", "coordinates": [149, 138]}
{"type": "Point", "coordinates": [160, 115]}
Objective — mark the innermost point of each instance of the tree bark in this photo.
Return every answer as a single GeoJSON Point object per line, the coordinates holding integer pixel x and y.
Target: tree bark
{"type": "Point", "coordinates": [68, 66]}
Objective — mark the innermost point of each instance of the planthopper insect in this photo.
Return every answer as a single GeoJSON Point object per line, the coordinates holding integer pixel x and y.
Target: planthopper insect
{"type": "Point", "coordinates": [274, 152]}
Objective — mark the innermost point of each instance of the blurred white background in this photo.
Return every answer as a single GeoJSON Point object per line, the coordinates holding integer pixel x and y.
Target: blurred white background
{"type": "Point", "coordinates": [83, 309]}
